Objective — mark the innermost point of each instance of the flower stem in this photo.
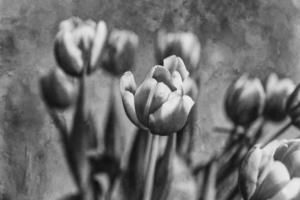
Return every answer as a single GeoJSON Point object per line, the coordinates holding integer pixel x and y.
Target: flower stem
{"type": "Point", "coordinates": [279, 133]}
{"type": "Point", "coordinates": [151, 167]}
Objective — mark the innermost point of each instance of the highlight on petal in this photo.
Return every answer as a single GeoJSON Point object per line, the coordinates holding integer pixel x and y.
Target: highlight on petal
{"type": "Point", "coordinates": [69, 24]}
{"type": "Point", "coordinates": [127, 83]}
{"type": "Point", "coordinates": [171, 116]}
{"type": "Point", "coordinates": [171, 63]}
{"type": "Point", "coordinates": [190, 88]}
{"type": "Point", "coordinates": [83, 36]}
{"type": "Point", "coordinates": [291, 191]}
{"type": "Point", "coordinates": [67, 54]}
{"type": "Point", "coordinates": [160, 96]}
{"type": "Point", "coordinates": [143, 98]}
{"type": "Point", "coordinates": [98, 45]}
{"type": "Point", "coordinates": [276, 179]}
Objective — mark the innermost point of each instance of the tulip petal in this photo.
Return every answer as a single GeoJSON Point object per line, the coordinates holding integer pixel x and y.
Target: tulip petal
{"type": "Point", "coordinates": [290, 192]}
{"type": "Point", "coordinates": [127, 88]}
{"type": "Point", "coordinates": [161, 74]}
{"type": "Point", "coordinates": [249, 172]}
{"type": "Point", "coordinates": [170, 63]}
{"type": "Point", "coordinates": [182, 69]}
{"type": "Point", "coordinates": [143, 98]}
{"type": "Point", "coordinates": [292, 162]}
{"type": "Point", "coordinates": [98, 45]}
{"type": "Point", "coordinates": [171, 116]}
{"type": "Point", "coordinates": [69, 24]}
{"type": "Point", "coordinates": [190, 88]}
{"type": "Point", "coordinates": [83, 36]}
{"type": "Point", "coordinates": [161, 94]}
{"type": "Point", "coordinates": [67, 54]}
{"type": "Point", "coordinates": [177, 81]}
{"type": "Point", "coordinates": [276, 179]}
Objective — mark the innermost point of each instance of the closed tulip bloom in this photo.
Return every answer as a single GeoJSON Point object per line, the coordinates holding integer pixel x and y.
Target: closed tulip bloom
{"type": "Point", "coordinates": [58, 90]}
{"type": "Point", "coordinates": [183, 44]}
{"type": "Point", "coordinates": [293, 106]}
{"type": "Point", "coordinates": [159, 103]}
{"type": "Point", "coordinates": [277, 93]}
{"type": "Point", "coordinates": [119, 55]}
{"type": "Point", "coordinates": [79, 44]}
{"type": "Point", "coordinates": [244, 100]}
{"type": "Point", "coordinates": [272, 172]}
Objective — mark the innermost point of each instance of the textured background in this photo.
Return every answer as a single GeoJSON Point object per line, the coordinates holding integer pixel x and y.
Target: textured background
{"type": "Point", "coordinates": [257, 36]}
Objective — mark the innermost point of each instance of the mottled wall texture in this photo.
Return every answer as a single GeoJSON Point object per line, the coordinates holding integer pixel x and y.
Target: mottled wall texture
{"type": "Point", "coordinates": [255, 36]}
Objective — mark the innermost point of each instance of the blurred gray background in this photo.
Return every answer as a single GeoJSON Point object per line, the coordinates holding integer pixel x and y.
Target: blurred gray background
{"type": "Point", "coordinates": [256, 36]}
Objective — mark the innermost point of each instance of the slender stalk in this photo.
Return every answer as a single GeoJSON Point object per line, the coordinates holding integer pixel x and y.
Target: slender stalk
{"type": "Point", "coordinates": [210, 188]}
{"type": "Point", "coordinates": [151, 167]}
{"type": "Point", "coordinates": [65, 143]}
{"type": "Point", "coordinates": [279, 133]}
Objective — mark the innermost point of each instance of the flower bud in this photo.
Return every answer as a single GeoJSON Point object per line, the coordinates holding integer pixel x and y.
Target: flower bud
{"type": "Point", "coordinates": [183, 44]}
{"type": "Point", "coordinates": [79, 44]}
{"type": "Point", "coordinates": [119, 55]}
{"type": "Point", "coordinates": [244, 100]}
{"type": "Point", "coordinates": [293, 106]}
{"type": "Point", "coordinates": [271, 172]}
{"type": "Point", "coordinates": [159, 103]}
{"type": "Point", "coordinates": [277, 93]}
{"type": "Point", "coordinates": [57, 90]}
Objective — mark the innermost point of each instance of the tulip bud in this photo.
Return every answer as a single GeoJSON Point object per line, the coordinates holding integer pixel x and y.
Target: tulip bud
{"type": "Point", "coordinates": [277, 93]}
{"type": "Point", "coordinates": [271, 172]}
{"type": "Point", "coordinates": [293, 106]}
{"type": "Point", "coordinates": [79, 44]}
{"type": "Point", "coordinates": [244, 100]}
{"type": "Point", "coordinates": [159, 103]}
{"type": "Point", "coordinates": [57, 90]}
{"type": "Point", "coordinates": [119, 56]}
{"type": "Point", "coordinates": [183, 44]}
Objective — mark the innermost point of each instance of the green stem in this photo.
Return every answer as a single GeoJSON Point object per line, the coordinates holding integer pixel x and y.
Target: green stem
{"type": "Point", "coordinates": [151, 167]}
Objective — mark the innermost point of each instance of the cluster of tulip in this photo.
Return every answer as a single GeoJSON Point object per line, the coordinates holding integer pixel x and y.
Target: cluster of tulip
{"type": "Point", "coordinates": [164, 110]}
{"type": "Point", "coordinates": [159, 107]}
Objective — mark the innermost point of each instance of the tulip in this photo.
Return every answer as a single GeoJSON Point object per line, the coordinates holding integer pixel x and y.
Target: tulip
{"type": "Point", "coordinates": [244, 100]}
{"type": "Point", "coordinates": [79, 45]}
{"type": "Point", "coordinates": [159, 103]}
{"type": "Point", "coordinates": [277, 93]}
{"type": "Point", "coordinates": [58, 90]}
{"type": "Point", "coordinates": [119, 55]}
{"type": "Point", "coordinates": [271, 172]}
{"type": "Point", "coordinates": [183, 44]}
{"type": "Point", "coordinates": [293, 107]}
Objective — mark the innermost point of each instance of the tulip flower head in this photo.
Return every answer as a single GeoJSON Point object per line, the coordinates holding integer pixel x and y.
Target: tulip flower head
{"type": "Point", "coordinates": [183, 44]}
{"type": "Point", "coordinates": [293, 107]}
{"type": "Point", "coordinates": [277, 93]}
{"type": "Point", "coordinates": [244, 100]}
{"type": "Point", "coordinates": [58, 90]}
{"type": "Point", "coordinates": [159, 103]}
{"type": "Point", "coordinates": [79, 45]}
{"type": "Point", "coordinates": [272, 172]}
{"type": "Point", "coordinates": [119, 55]}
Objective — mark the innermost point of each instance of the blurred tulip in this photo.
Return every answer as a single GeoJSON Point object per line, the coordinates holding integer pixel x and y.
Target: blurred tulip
{"type": "Point", "coordinates": [272, 172]}
{"type": "Point", "coordinates": [277, 93]}
{"type": "Point", "coordinates": [293, 106]}
{"type": "Point", "coordinates": [58, 91]}
{"type": "Point", "coordinates": [183, 44]}
{"type": "Point", "coordinates": [159, 103]}
{"type": "Point", "coordinates": [79, 44]}
{"type": "Point", "coordinates": [119, 55]}
{"type": "Point", "coordinates": [244, 100]}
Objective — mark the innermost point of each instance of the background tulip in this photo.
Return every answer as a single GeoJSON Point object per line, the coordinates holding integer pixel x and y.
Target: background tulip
{"type": "Point", "coordinates": [277, 93]}
{"type": "Point", "coordinates": [159, 103]}
{"type": "Point", "coordinates": [244, 100]}
{"type": "Point", "coordinates": [79, 44]}
{"type": "Point", "coordinates": [272, 172]}
{"type": "Point", "coordinates": [293, 106]}
{"type": "Point", "coordinates": [119, 55]}
{"type": "Point", "coordinates": [183, 44]}
{"type": "Point", "coordinates": [58, 91]}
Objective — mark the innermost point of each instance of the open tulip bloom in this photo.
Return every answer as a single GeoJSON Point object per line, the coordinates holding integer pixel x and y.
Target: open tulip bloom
{"type": "Point", "coordinates": [272, 172]}
{"type": "Point", "coordinates": [79, 45]}
{"type": "Point", "coordinates": [159, 103]}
